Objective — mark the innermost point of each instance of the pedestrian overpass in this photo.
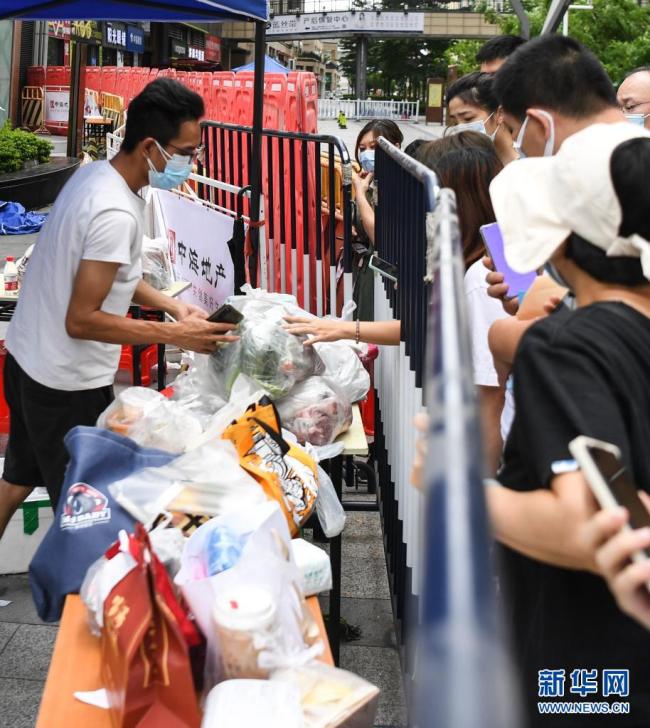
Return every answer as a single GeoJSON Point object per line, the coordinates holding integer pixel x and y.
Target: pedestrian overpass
{"type": "Point", "coordinates": [319, 19]}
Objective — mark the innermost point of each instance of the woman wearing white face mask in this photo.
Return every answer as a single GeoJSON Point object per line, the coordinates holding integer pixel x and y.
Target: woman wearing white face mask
{"type": "Point", "coordinates": [363, 220]}
{"type": "Point", "coordinates": [472, 106]}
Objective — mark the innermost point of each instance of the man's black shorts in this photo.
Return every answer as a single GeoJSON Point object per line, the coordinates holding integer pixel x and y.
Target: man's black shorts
{"type": "Point", "coordinates": [40, 418]}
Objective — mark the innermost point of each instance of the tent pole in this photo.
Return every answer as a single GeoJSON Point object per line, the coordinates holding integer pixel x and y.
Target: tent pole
{"type": "Point", "coordinates": [256, 151]}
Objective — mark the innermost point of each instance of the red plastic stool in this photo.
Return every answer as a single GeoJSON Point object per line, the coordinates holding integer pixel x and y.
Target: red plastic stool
{"type": "Point", "coordinates": [367, 407]}
{"type": "Point", "coordinates": [148, 357]}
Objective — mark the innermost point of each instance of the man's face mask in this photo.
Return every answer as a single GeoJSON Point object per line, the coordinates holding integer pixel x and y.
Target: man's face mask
{"type": "Point", "coordinates": [177, 169]}
{"type": "Point", "coordinates": [367, 160]}
{"type": "Point", "coordinates": [549, 148]}
{"type": "Point", "coordinates": [638, 119]}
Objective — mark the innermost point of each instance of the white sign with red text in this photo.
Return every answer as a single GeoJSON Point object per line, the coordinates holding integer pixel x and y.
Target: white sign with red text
{"type": "Point", "coordinates": [198, 246]}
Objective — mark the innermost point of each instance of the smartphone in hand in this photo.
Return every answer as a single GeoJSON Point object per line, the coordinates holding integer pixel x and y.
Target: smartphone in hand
{"type": "Point", "coordinates": [226, 314]}
{"type": "Point", "coordinates": [611, 482]}
{"type": "Point", "coordinates": [517, 282]}
{"type": "Point", "coordinates": [383, 267]}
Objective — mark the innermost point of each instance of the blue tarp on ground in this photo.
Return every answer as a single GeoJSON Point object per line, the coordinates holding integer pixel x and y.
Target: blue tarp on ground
{"type": "Point", "coordinates": [270, 66]}
{"type": "Point", "coordinates": [160, 10]}
{"type": "Point", "coordinates": [14, 220]}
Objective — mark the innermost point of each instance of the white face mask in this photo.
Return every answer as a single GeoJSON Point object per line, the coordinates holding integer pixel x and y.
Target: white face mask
{"type": "Point", "coordinates": [549, 148]}
{"type": "Point", "coordinates": [478, 126]}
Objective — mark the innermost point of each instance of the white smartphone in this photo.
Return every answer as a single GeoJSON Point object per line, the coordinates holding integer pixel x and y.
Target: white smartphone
{"type": "Point", "coordinates": [383, 267]}
{"type": "Point", "coordinates": [611, 482]}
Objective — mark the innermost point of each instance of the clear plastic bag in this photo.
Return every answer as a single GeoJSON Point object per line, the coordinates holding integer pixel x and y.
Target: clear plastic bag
{"type": "Point", "coordinates": [206, 481]}
{"type": "Point", "coordinates": [197, 389]}
{"type": "Point", "coordinates": [266, 351]}
{"type": "Point", "coordinates": [315, 411]}
{"type": "Point", "coordinates": [332, 697]}
{"type": "Point", "coordinates": [329, 509]}
{"type": "Point", "coordinates": [344, 368]}
{"type": "Point", "coordinates": [156, 263]}
{"type": "Point", "coordinates": [151, 420]}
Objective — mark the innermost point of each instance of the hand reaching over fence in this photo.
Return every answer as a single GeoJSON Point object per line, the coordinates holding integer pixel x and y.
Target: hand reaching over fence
{"type": "Point", "coordinates": [324, 329]}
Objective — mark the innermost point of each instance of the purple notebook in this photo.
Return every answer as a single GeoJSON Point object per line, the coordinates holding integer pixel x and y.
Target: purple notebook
{"type": "Point", "coordinates": [518, 283]}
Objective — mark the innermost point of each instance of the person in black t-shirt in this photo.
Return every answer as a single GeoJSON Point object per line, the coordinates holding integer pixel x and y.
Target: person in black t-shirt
{"type": "Point", "coordinates": [583, 213]}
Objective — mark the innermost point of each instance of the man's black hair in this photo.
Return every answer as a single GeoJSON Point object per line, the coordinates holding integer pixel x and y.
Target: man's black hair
{"type": "Point", "coordinates": [413, 148]}
{"type": "Point", "coordinates": [465, 88]}
{"type": "Point", "coordinates": [158, 112]}
{"type": "Point", "coordinates": [628, 168]}
{"type": "Point", "coordinates": [556, 73]}
{"type": "Point", "coordinates": [500, 47]}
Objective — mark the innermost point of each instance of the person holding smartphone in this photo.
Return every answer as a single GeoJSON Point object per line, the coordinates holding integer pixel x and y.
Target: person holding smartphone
{"type": "Point", "coordinates": [613, 548]}
{"type": "Point", "coordinates": [576, 372]}
{"type": "Point", "coordinates": [71, 318]}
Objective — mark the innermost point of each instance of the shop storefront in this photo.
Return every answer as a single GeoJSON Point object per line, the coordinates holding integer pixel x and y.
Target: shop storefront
{"type": "Point", "coordinates": [58, 44]}
{"type": "Point", "coordinates": [90, 33]}
{"type": "Point", "coordinates": [135, 43]}
{"type": "Point", "coordinates": [114, 52]}
{"type": "Point", "coordinates": [212, 49]}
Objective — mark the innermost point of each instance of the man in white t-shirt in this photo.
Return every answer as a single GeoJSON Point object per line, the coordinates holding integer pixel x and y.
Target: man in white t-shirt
{"type": "Point", "coordinates": [64, 339]}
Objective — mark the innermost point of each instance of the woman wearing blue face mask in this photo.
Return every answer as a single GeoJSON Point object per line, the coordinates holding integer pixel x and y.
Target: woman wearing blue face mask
{"type": "Point", "coordinates": [363, 220]}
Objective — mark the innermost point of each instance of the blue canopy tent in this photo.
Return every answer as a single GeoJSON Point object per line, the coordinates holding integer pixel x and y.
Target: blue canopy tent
{"type": "Point", "coordinates": [161, 11]}
{"type": "Point", "coordinates": [270, 66]}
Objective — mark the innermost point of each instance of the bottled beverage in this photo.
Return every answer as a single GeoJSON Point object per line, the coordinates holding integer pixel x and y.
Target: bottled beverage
{"type": "Point", "coordinates": [10, 275]}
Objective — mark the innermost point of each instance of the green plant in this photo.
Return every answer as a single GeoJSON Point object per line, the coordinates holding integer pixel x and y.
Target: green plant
{"type": "Point", "coordinates": [18, 146]}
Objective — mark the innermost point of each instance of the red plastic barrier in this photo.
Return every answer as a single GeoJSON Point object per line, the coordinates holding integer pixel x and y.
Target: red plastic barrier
{"type": "Point", "coordinates": [124, 84]}
{"type": "Point", "coordinates": [94, 78]}
{"type": "Point", "coordinates": [57, 75]}
{"type": "Point", "coordinates": [109, 79]}
{"type": "Point", "coordinates": [291, 105]}
{"type": "Point", "coordinates": [308, 101]}
{"type": "Point", "coordinates": [275, 91]}
{"type": "Point", "coordinates": [222, 98]}
{"type": "Point", "coordinates": [243, 107]}
{"type": "Point", "coordinates": [36, 76]}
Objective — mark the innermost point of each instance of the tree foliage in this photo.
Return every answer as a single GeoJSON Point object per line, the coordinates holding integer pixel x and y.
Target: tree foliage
{"type": "Point", "coordinates": [617, 31]}
{"type": "Point", "coordinates": [397, 68]}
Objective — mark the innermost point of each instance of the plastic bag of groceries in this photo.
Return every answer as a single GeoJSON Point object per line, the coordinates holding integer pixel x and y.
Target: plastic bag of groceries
{"type": "Point", "coordinates": [196, 388]}
{"type": "Point", "coordinates": [156, 263]}
{"type": "Point", "coordinates": [150, 419]}
{"type": "Point", "coordinates": [315, 411]}
{"type": "Point", "coordinates": [206, 481]}
{"type": "Point", "coordinates": [265, 352]}
{"type": "Point", "coordinates": [344, 368]}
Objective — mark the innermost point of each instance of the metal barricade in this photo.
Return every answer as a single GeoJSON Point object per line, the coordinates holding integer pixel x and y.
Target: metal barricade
{"type": "Point", "coordinates": [437, 540]}
{"type": "Point", "coordinates": [368, 109]}
{"type": "Point", "coordinates": [302, 247]}
{"type": "Point", "coordinates": [32, 108]}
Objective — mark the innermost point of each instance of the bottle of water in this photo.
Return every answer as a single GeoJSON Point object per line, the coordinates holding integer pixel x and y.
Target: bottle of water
{"type": "Point", "coordinates": [10, 275]}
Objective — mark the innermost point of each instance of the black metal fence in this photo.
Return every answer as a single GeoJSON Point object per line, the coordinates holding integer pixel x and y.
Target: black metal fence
{"type": "Point", "coordinates": [306, 182]}
{"type": "Point", "coordinates": [456, 668]}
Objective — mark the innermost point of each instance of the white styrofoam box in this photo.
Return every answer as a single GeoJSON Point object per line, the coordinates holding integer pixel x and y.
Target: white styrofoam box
{"type": "Point", "coordinates": [16, 547]}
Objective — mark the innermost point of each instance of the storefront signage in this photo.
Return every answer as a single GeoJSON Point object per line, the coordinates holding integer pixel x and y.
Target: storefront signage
{"type": "Point", "coordinates": [201, 259]}
{"type": "Point", "coordinates": [114, 35]}
{"type": "Point", "coordinates": [357, 22]}
{"type": "Point", "coordinates": [86, 31]}
{"type": "Point", "coordinates": [178, 49]}
{"type": "Point", "coordinates": [197, 54]}
{"type": "Point", "coordinates": [58, 29]}
{"type": "Point", "coordinates": [134, 39]}
{"type": "Point", "coordinates": [213, 48]}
